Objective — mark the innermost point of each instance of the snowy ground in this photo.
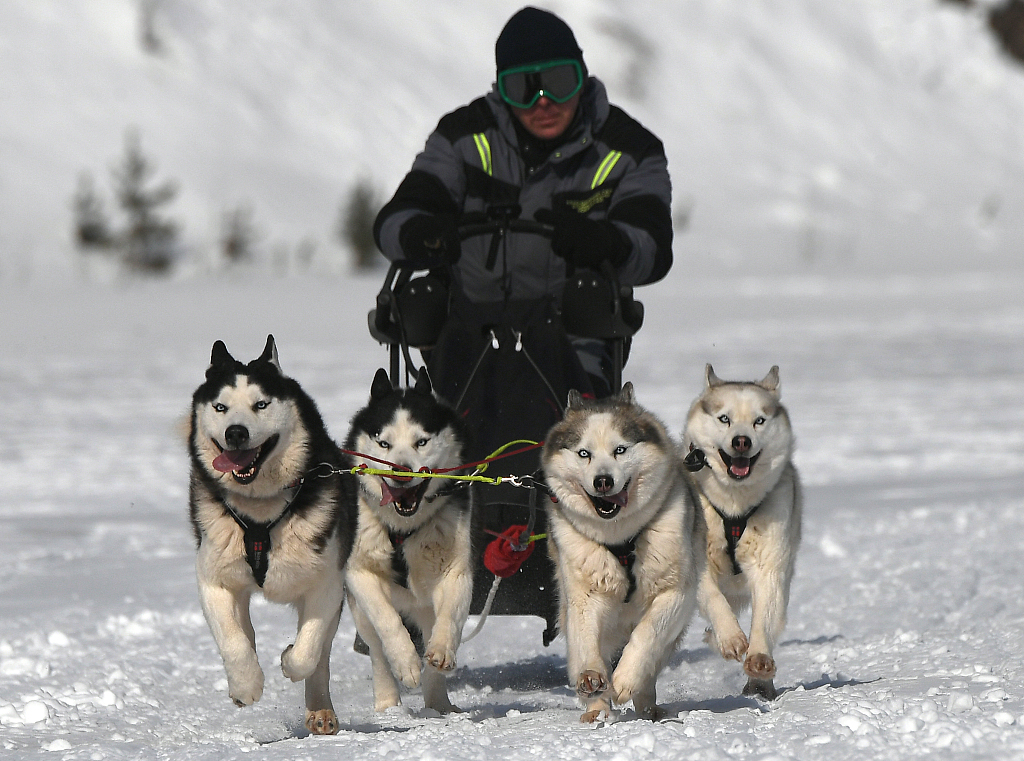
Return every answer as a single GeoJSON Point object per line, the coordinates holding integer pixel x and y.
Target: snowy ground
{"type": "Point", "coordinates": [906, 618]}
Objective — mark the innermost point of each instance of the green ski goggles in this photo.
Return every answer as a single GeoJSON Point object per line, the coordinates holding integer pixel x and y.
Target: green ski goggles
{"type": "Point", "coordinates": [523, 86]}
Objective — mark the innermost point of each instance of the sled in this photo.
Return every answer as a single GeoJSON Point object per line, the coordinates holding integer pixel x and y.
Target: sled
{"type": "Point", "coordinates": [510, 395]}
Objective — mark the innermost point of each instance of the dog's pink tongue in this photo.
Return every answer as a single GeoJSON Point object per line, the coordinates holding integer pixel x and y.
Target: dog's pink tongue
{"type": "Point", "coordinates": [740, 466]}
{"type": "Point", "coordinates": [389, 494]}
{"type": "Point", "coordinates": [235, 459]}
{"type": "Point", "coordinates": [619, 499]}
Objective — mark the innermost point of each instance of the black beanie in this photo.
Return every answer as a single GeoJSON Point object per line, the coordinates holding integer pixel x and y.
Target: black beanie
{"type": "Point", "coordinates": [534, 36]}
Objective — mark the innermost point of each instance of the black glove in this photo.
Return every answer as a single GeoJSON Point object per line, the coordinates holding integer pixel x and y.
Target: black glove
{"type": "Point", "coordinates": [582, 241]}
{"type": "Point", "coordinates": [430, 240]}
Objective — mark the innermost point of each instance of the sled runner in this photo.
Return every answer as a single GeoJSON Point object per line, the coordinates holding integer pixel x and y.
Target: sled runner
{"type": "Point", "coordinates": [507, 369]}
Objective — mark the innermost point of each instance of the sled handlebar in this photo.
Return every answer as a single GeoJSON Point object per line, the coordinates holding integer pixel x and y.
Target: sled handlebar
{"type": "Point", "coordinates": [503, 225]}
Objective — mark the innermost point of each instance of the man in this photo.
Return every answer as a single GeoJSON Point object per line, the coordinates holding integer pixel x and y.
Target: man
{"type": "Point", "coordinates": [543, 145]}
{"type": "Point", "coordinates": [546, 142]}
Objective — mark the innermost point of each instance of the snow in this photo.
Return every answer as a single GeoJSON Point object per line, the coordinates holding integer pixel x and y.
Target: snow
{"type": "Point", "coordinates": [905, 617]}
{"type": "Point", "coordinates": [851, 174]}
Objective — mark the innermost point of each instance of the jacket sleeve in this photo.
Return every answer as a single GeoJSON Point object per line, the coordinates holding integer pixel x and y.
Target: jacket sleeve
{"type": "Point", "coordinates": [641, 207]}
{"type": "Point", "coordinates": [435, 185]}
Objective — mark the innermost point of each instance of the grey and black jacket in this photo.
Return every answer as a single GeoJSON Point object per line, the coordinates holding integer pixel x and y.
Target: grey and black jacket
{"type": "Point", "coordinates": [608, 167]}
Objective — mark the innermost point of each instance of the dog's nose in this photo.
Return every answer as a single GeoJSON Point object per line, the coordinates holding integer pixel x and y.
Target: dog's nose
{"type": "Point", "coordinates": [741, 444]}
{"type": "Point", "coordinates": [604, 483]}
{"type": "Point", "coordinates": [236, 436]}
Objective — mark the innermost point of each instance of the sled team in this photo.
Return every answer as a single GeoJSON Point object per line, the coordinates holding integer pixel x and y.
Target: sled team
{"type": "Point", "coordinates": [642, 532]}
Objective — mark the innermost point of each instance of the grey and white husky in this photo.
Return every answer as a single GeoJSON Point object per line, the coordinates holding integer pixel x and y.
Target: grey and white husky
{"type": "Point", "coordinates": [626, 543]}
{"type": "Point", "coordinates": [412, 553]}
{"type": "Point", "coordinates": [750, 494]}
{"type": "Point", "coordinates": [267, 507]}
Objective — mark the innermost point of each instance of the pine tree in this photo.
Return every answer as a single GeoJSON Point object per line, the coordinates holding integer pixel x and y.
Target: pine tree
{"type": "Point", "coordinates": [148, 242]}
{"type": "Point", "coordinates": [355, 228]}
{"type": "Point", "coordinates": [91, 226]}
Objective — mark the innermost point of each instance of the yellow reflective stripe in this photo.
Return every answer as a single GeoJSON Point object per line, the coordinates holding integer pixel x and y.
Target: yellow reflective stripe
{"type": "Point", "coordinates": [485, 151]}
{"type": "Point", "coordinates": [606, 168]}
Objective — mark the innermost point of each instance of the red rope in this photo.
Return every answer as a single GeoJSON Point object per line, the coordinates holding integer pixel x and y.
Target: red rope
{"type": "Point", "coordinates": [486, 460]}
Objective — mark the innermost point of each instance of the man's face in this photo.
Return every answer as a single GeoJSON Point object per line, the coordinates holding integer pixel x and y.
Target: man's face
{"type": "Point", "coordinates": [545, 119]}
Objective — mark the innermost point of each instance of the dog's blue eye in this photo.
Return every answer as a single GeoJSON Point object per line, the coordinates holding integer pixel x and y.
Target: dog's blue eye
{"type": "Point", "coordinates": [261, 405]}
{"type": "Point", "coordinates": [422, 443]}
{"type": "Point", "coordinates": [220, 407]}
{"type": "Point", "coordinates": [724, 419]}
{"type": "Point", "coordinates": [384, 445]}
{"type": "Point", "coordinates": [620, 450]}
{"type": "Point", "coordinates": [760, 421]}
{"type": "Point", "coordinates": [585, 454]}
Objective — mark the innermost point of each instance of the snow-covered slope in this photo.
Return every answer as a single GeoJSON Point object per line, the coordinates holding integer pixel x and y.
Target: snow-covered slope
{"type": "Point", "coordinates": [800, 134]}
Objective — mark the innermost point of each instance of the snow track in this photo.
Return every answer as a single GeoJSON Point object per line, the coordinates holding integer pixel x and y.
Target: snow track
{"type": "Point", "coordinates": [906, 623]}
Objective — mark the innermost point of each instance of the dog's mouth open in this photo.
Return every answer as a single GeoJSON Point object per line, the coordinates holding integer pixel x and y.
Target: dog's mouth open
{"type": "Point", "coordinates": [608, 506]}
{"type": "Point", "coordinates": [406, 499]}
{"type": "Point", "coordinates": [244, 464]}
{"type": "Point", "coordinates": [738, 467]}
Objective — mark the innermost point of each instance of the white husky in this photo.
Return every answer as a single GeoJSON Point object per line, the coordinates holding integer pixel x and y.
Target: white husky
{"type": "Point", "coordinates": [268, 513]}
{"type": "Point", "coordinates": [412, 553]}
{"type": "Point", "coordinates": [625, 540]}
{"type": "Point", "coordinates": [750, 494]}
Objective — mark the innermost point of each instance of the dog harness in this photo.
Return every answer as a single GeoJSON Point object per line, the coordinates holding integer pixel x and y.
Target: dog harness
{"type": "Point", "coordinates": [625, 553]}
{"type": "Point", "coordinates": [734, 528]}
{"type": "Point", "coordinates": [256, 537]}
{"type": "Point", "coordinates": [398, 565]}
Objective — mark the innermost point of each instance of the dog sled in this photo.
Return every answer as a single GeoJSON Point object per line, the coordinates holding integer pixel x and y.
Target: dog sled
{"type": "Point", "coordinates": [508, 372]}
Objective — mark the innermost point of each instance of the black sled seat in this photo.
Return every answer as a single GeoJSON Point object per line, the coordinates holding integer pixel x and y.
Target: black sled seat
{"type": "Point", "coordinates": [513, 387]}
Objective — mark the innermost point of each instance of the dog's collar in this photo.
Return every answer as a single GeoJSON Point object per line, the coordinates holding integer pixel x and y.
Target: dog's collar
{"type": "Point", "coordinates": [734, 528]}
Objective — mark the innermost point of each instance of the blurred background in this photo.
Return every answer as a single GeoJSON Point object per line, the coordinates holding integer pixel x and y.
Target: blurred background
{"type": "Point", "coordinates": [175, 138]}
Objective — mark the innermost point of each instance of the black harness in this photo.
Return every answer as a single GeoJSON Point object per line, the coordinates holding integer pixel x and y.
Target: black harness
{"type": "Point", "coordinates": [256, 537]}
{"type": "Point", "coordinates": [625, 553]}
{"type": "Point", "coordinates": [734, 528]}
{"type": "Point", "coordinates": [399, 567]}
{"type": "Point", "coordinates": [695, 461]}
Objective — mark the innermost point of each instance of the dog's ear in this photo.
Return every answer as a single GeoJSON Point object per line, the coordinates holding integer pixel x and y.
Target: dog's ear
{"type": "Point", "coordinates": [423, 382]}
{"type": "Point", "coordinates": [269, 354]}
{"type": "Point", "coordinates": [575, 400]}
{"type": "Point", "coordinates": [626, 395]}
{"type": "Point", "coordinates": [770, 382]}
{"type": "Point", "coordinates": [220, 356]}
{"type": "Point", "coordinates": [710, 379]}
{"type": "Point", "coordinates": [381, 385]}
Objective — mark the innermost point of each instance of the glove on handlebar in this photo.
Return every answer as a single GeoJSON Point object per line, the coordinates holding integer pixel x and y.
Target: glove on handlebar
{"type": "Point", "coordinates": [582, 241]}
{"type": "Point", "coordinates": [429, 240]}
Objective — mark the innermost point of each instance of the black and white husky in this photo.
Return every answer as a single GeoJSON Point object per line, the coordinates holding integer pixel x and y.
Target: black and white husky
{"type": "Point", "coordinates": [627, 547]}
{"type": "Point", "coordinates": [750, 495]}
{"type": "Point", "coordinates": [268, 511]}
{"type": "Point", "coordinates": [412, 552]}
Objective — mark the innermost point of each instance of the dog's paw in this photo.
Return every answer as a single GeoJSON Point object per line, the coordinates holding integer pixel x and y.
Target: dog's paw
{"type": "Point", "coordinates": [625, 685]}
{"type": "Point", "coordinates": [590, 717]}
{"type": "Point", "coordinates": [441, 658]}
{"type": "Point", "coordinates": [762, 688]}
{"type": "Point", "coordinates": [322, 722]}
{"type": "Point", "coordinates": [651, 713]}
{"type": "Point", "coordinates": [407, 670]}
{"type": "Point", "coordinates": [246, 688]}
{"type": "Point", "coordinates": [591, 684]}
{"type": "Point", "coordinates": [733, 646]}
{"type": "Point", "coordinates": [294, 667]}
{"type": "Point", "coordinates": [759, 666]}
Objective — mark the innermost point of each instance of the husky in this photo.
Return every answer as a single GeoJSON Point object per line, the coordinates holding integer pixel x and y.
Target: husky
{"type": "Point", "coordinates": [269, 510]}
{"type": "Point", "coordinates": [412, 553]}
{"type": "Point", "coordinates": [625, 541]}
{"type": "Point", "coordinates": [739, 444]}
